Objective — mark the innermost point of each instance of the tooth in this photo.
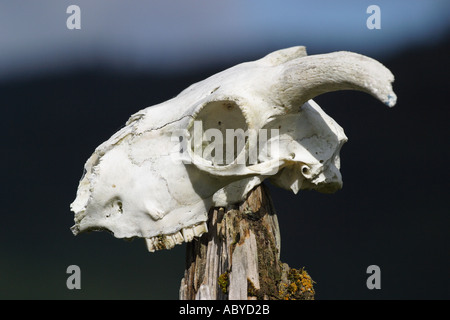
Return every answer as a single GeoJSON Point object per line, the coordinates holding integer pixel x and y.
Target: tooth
{"type": "Point", "coordinates": [188, 234]}
{"type": "Point", "coordinates": [168, 242]}
{"type": "Point", "coordinates": [159, 242]}
{"type": "Point", "coordinates": [150, 245]}
{"type": "Point", "coordinates": [200, 229]}
{"type": "Point", "coordinates": [178, 237]}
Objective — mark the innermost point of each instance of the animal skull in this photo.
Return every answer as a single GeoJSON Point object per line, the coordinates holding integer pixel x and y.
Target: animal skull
{"type": "Point", "coordinates": [158, 176]}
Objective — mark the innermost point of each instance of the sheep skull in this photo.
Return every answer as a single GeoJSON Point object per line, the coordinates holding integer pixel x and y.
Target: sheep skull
{"type": "Point", "coordinates": [159, 175]}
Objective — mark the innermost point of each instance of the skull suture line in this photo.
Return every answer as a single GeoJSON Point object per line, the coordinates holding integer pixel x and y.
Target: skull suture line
{"type": "Point", "coordinates": [149, 180]}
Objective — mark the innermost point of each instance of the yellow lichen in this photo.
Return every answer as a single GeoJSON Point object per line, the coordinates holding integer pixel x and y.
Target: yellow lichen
{"type": "Point", "coordinates": [299, 283]}
{"type": "Point", "coordinates": [292, 288]}
{"type": "Point", "coordinates": [307, 282]}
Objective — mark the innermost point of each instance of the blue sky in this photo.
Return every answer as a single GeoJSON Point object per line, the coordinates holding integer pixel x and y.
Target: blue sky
{"type": "Point", "coordinates": [169, 35]}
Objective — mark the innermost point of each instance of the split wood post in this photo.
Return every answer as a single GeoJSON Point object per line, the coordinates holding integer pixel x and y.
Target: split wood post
{"type": "Point", "coordinates": [239, 258]}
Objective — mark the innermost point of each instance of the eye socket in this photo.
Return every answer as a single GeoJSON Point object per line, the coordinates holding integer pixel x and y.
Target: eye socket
{"type": "Point", "coordinates": [222, 123]}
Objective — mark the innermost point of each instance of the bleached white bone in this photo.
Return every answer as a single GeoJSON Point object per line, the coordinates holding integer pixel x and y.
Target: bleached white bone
{"type": "Point", "coordinates": [149, 180]}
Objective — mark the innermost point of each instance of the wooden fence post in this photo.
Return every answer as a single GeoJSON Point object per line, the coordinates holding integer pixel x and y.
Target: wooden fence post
{"type": "Point", "coordinates": [239, 258]}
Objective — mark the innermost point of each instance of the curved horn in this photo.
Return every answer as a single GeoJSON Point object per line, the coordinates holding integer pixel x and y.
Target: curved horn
{"type": "Point", "coordinates": [307, 77]}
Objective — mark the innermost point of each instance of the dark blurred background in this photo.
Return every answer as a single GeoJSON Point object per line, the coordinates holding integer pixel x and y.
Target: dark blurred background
{"type": "Point", "coordinates": [63, 92]}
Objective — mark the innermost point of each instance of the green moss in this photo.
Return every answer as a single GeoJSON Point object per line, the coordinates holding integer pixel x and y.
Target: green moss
{"type": "Point", "coordinates": [223, 282]}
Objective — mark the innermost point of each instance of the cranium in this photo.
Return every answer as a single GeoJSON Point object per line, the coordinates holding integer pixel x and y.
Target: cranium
{"type": "Point", "coordinates": [158, 176]}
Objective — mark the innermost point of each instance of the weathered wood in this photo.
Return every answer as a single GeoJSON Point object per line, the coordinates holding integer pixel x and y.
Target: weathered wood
{"type": "Point", "coordinates": [239, 258]}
